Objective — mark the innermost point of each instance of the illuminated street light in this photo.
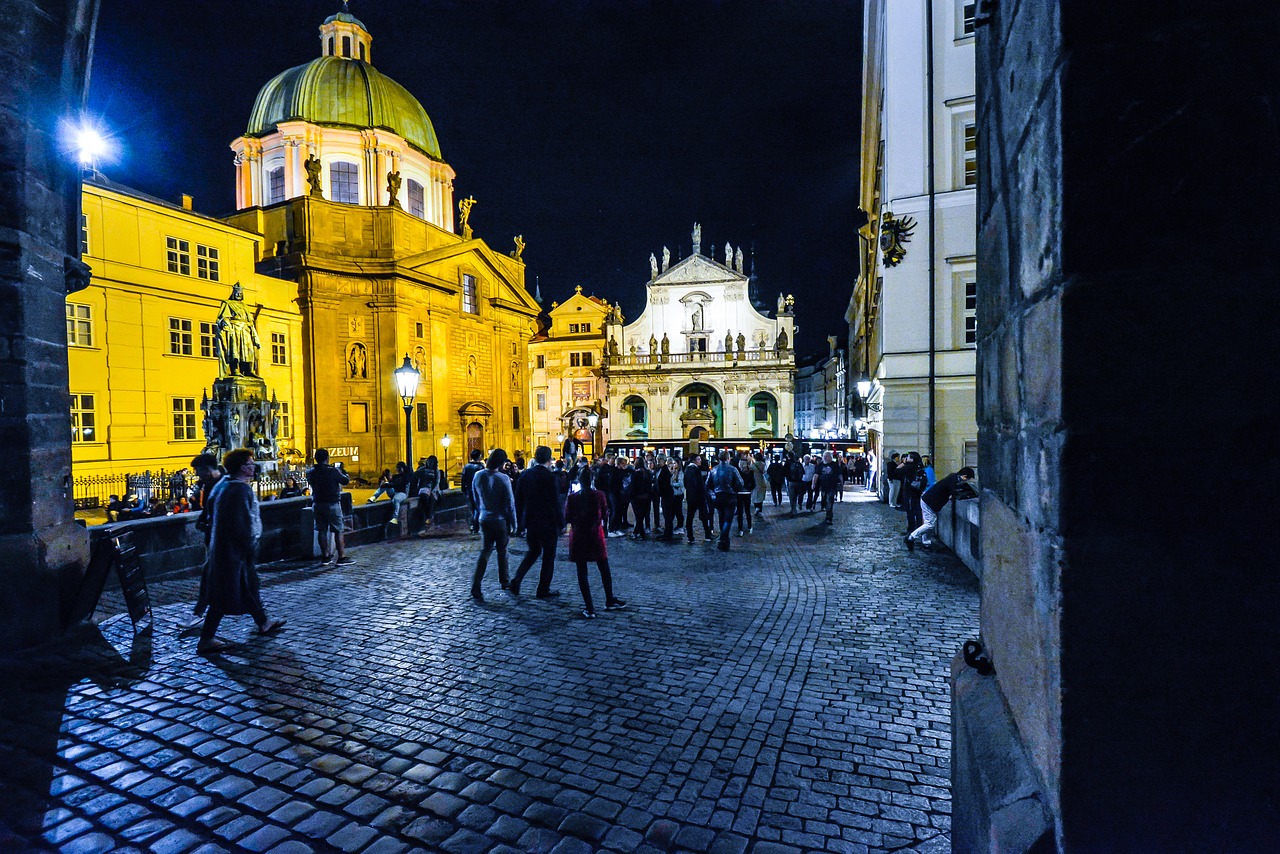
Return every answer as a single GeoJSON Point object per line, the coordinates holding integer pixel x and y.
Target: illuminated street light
{"type": "Point", "coordinates": [593, 420]}
{"type": "Point", "coordinates": [446, 440]}
{"type": "Point", "coordinates": [407, 377]}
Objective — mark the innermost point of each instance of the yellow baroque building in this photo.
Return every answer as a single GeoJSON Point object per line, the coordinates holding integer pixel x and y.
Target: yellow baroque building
{"type": "Point", "coordinates": [140, 337]}
{"type": "Point", "coordinates": [567, 375]}
{"type": "Point", "coordinates": [339, 170]}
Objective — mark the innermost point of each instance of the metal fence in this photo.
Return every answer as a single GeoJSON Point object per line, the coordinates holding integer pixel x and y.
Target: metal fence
{"type": "Point", "coordinates": [95, 490]}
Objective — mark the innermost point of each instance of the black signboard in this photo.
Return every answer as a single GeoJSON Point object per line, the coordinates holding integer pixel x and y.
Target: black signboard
{"type": "Point", "coordinates": [117, 550]}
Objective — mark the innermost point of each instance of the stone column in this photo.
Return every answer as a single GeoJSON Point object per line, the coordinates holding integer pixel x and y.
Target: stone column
{"type": "Point", "coordinates": [41, 75]}
{"type": "Point", "coordinates": [1126, 280]}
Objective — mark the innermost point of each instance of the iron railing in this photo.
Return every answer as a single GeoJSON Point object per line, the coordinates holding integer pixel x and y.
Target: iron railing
{"type": "Point", "coordinates": [95, 490]}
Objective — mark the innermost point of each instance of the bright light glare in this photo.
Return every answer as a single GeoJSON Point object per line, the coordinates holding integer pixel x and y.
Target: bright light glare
{"type": "Point", "coordinates": [90, 144]}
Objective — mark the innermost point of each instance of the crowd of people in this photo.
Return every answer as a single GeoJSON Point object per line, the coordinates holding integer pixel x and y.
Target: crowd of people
{"type": "Point", "coordinates": [654, 496]}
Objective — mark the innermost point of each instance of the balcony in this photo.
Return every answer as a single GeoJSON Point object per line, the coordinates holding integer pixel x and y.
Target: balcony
{"type": "Point", "coordinates": [650, 361]}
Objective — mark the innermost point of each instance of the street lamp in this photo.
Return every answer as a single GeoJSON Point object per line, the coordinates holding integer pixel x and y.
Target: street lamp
{"type": "Point", "coordinates": [864, 391]}
{"type": "Point", "coordinates": [593, 420]}
{"type": "Point", "coordinates": [407, 384]}
{"type": "Point", "coordinates": [446, 440]}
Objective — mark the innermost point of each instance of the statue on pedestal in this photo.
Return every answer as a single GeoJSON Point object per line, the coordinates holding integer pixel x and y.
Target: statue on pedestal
{"type": "Point", "coordinates": [393, 189]}
{"type": "Point", "coordinates": [697, 238]}
{"type": "Point", "coordinates": [653, 266]}
{"type": "Point", "coordinates": [235, 338]}
{"type": "Point", "coordinates": [464, 215]}
{"type": "Point", "coordinates": [312, 165]}
{"type": "Point", "coordinates": [666, 258]}
{"type": "Point", "coordinates": [519, 248]}
{"type": "Point", "coordinates": [666, 345]}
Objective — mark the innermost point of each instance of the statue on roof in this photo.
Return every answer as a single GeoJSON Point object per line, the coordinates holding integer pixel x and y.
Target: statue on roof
{"type": "Point", "coordinates": [737, 260]}
{"type": "Point", "coordinates": [666, 345]}
{"type": "Point", "coordinates": [697, 238]}
{"type": "Point", "coordinates": [519, 247]}
{"type": "Point", "coordinates": [653, 266]}
{"type": "Point", "coordinates": [464, 215]}
{"type": "Point", "coordinates": [782, 304]}
{"type": "Point", "coordinates": [666, 258]}
{"type": "Point", "coordinates": [728, 254]}
{"type": "Point", "coordinates": [393, 189]}
{"type": "Point", "coordinates": [312, 165]}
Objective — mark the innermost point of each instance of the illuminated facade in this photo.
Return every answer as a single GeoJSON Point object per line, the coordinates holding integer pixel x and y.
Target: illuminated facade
{"type": "Point", "coordinates": [376, 278]}
{"type": "Point", "coordinates": [567, 374]}
{"type": "Point", "coordinates": [913, 318]}
{"type": "Point", "coordinates": [701, 362]}
{"type": "Point", "coordinates": [140, 337]}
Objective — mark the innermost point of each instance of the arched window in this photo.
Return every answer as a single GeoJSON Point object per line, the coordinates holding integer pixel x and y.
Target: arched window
{"type": "Point", "coordinates": [344, 185]}
{"type": "Point", "coordinates": [275, 185]}
{"type": "Point", "coordinates": [362, 51]}
{"type": "Point", "coordinates": [330, 51]}
{"type": "Point", "coordinates": [636, 416]}
{"type": "Point", "coordinates": [346, 46]}
{"type": "Point", "coordinates": [417, 200]}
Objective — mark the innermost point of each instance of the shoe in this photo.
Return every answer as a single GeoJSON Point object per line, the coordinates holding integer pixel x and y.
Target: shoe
{"type": "Point", "coordinates": [613, 535]}
{"type": "Point", "coordinates": [270, 627]}
{"type": "Point", "coordinates": [615, 605]}
{"type": "Point", "coordinates": [477, 597]}
{"type": "Point", "coordinates": [590, 615]}
{"type": "Point", "coordinates": [911, 544]}
{"type": "Point", "coordinates": [550, 594]}
{"type": "Point", "coordinates": [195, 621]}
{"type": "Point", "coordinates": [213, 647]}
{"type": "Point", "coordinates": [691, 541]}
{"type": "Point", "coordinates": [827, 522]}
{"type": "Point", "coordinates": [513, 589]}
{"type": "Point", "coordinates": [739, 532]}
{"type": "Point", "coordinates": [346, 561]}
{"type": "Point", "coordinates": [393, 521]}
{"type": "Point", "coordinates": [723, 548]}
{"type": "Point", "coordinates": [326, 559]}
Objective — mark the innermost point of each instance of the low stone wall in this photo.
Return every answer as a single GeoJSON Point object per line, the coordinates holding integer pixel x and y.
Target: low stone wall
{"type": "Point", "coordinates": [169, 545]}
{"type": "Point", "coordinates": [958, 527]}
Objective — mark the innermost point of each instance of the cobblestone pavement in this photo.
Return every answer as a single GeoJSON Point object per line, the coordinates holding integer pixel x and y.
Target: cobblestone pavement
{"type": "Point", "coordinates": [788, 696]}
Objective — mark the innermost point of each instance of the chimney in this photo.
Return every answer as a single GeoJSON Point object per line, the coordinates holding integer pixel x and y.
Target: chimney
{"type": "Point", "coordinates": [186, 202]}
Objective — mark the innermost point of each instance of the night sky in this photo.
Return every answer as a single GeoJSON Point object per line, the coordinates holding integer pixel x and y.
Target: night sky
{"type": "Point", "coordinates": [598, 129]}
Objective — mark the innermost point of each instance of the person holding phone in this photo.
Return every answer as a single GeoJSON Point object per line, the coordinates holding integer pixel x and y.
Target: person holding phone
{"type": "Point", "coordinates": [326, 498]}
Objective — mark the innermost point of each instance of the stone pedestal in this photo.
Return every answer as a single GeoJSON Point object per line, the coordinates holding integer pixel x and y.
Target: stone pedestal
{"type": "Point", "coordinates": [241, 415]}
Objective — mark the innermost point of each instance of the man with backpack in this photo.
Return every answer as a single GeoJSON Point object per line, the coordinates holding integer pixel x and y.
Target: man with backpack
{"type": "Point", "coordinates": [796, 486]}
{"type": "Point", "coordinates": [827, 479]}
{"type": "Point", "coordinates": [468, 473]}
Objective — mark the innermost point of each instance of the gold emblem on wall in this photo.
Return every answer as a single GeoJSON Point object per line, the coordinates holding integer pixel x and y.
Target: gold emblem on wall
{"type": "Point", "coordinates": [355, 326]}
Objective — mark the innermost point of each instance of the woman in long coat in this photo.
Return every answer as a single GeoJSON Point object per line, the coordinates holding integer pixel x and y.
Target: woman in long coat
{"type": "Point", "coordinates": [587, 510]}
{"type": "Point", "coordinates": [232, 579]}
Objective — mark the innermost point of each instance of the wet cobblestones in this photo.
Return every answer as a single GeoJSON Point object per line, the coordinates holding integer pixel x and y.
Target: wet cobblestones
{"type": "Point", "coordinates": [788, 696]}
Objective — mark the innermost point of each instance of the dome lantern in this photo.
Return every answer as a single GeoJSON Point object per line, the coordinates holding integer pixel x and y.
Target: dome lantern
{"type": "Point", "coordinates": [344, 36]}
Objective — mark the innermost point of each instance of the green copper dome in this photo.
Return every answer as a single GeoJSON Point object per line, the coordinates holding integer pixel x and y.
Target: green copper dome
{"type": "Point", "coordinates": [343, 93]}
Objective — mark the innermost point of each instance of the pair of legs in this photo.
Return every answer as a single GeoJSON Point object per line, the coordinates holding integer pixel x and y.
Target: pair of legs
{"type": "Point", "coordinates": [776, 489]}
{"type": "Point", "coordinates": [494, 532]}
{"type": "Point", "coordinates": [673, 509]}
{"type": "Point", "coordinates": [930, 521]}
{"type": "Point", "coordinates": [426, 506]}
{"type": "Point", "coordinates": [915, 510]}
{"type": "Point", "coordinates": [655, 505]}
{"type": "Point", "coordinates": [214, 615]}
{"type": "Point", "coordinates": [829, 503]}
{"type": "Point", "coordinates": [797, 496]}
{"type": "Point", "coordinates": [811, 495]}
{"type": "Point", "coordinates": [697, 507]}
{"type": "Point", "coordinates": [606, 579]}
{"type": "Point", "coordinates": [744, 512]}
{"type": "Point", "coordinates": [329, 519]}
{"type": "Point", "coordinates": [542, 542]}
{"type": "Point", "coordinates": [895, 492]}
{"type": "Point", "coordinates": [640, 506]}
{"type": "Point", "coordinates": [726, 504]}
{"type": "Point", "coordinates": [619, 519]}
{"type": "Point", "coordinates": [475, 511]}
{"type": "Point", "coordinates": [383, 489]}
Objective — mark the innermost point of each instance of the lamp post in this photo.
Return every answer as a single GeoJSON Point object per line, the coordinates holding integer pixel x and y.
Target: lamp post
{"type": "Point", "coordinates": [864, 391]}
{"type": "Point", "coordinates": [593, 420]}
{"type": "Point", "coordinates": [446, 440]}
{"type": "Point", "coordinates": [407, 385]}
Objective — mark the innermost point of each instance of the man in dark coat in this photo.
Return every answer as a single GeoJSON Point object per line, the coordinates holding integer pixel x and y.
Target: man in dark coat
{"type": "Point", "coordinates": [208, 474]}
{"type": "Point", "coordinates": [935, 498]}
{"type": "Point", "coordinates": [776, 473]}
{"type": "Point", "coordinates": [468, 472]}
{"type": "Point", "coordinates": [695, 491]}
{"type": "Point", "coordinates": [723, 484]}
{"type": "Point", "coordinates": [541, 506]}
{"type": "Point", "coordinates": [233, 550]}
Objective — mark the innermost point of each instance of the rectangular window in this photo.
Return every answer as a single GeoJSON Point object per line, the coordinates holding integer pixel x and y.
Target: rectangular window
{"type": "Point", "coordinates": [344, 183]}
{"type": "Point", "coordinates": [970, 154]}
{"type": "Point", "coordinates": [699, 401]}
{"type": "Point", "coordinates": [541, 361]}
{"type": "Point", "coordinates": [970, 312]}
{"type": "Point", "coordinates": [358, 417]}
{"type": "Point", "coordinates": [184, 419]}
{"type": "Point", "coordinates": [697, 345]}
{"type": "Point", "coordinates": [542, 401]}
{"type": "Point", "coordinates": [418, 330]}
{"type": "Point", "coordinates": [79, 325]}
{"type": "Point", "coordinates": [424, 420]}
{"type": "Point", "coordinates": [279, 348]}
{"type": "Point", "coordinates": [515, 418]}
{"type": "Point", "coordinates": [179, 336]}
{"type": "Point", "coordinates": [286, 421]}
{"type": "Point", "coordinates": [588, 359]}
{"type": "Point", "coordinates": [207, 262]}
{"type": "Point", "coordinates": [206, 340]}
{"type": "Point", "coordinates": [586, 327]}
{"type": "Point", "coordinates": [967, 15]}
{"type": "Point", "coordinates": [760, 413]}
{"type": "Point", "coordinates": [178, 256]}
{"type": "Point", "coordinates": [573, 328]}
{"type": "Point", "coordinates": [417, 200]}
{"type": "Point", "coordinates": [637, 413]}
{"type": "Point", "coordinates": [82, 421]}
{"type": "Point", "coordinates": [470, 297]}
{"type": "Point", "coordinates": [84, 234]}
{"type": "Point", "coordinates": [575, 360]}
{"type": "Point", "coordinates": [275, 185]}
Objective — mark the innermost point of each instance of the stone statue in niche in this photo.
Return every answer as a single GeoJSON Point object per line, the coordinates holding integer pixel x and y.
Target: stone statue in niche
{"type": "Point", "coordinates": [613, 346]}
{"type": "Point", "coordinates": [515, 374]}
{"type": "Point", "coordinates": [471, 369]}
{"type": "Point", "coordinates": [697, 317]}
{"type": "Point", "coordinates": [312, 165]}
{"type": "Point", "coordinates": [781, 343]}
{"type": "Point", "coordinates": [235, 338]}
{"type": "Point", "coordinates": [357, 362]}
{"type": "Point", "coordinates": [393, 189]}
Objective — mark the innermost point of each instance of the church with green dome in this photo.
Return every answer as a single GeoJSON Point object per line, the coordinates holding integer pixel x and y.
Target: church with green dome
{"type": "Point", "coordinates": [340, 173]}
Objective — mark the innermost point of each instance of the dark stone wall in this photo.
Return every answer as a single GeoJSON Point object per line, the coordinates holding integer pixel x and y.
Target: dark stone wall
{"type": "Point", "coordinates": [41, 69]}
{"type": "Point", "coordinates": [1128, 221]}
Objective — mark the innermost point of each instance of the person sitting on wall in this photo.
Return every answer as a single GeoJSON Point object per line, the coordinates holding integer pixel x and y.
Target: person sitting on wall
{"type": "Point", "coordinates": [114, 508]}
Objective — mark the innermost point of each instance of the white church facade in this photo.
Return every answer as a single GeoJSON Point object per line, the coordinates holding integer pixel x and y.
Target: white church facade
{"type": "Point", "coordinates": [701, 362]}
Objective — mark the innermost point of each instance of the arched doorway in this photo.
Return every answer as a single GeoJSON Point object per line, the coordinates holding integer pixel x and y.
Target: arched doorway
{"type": "Point", "coordinates": [475, 438]}
{"type": "Point", "coordinates": [762, 415]}
{"type": "Point", "coordinates": [700, 406]}
{"type": "Point", "coordinates": [635, 414]}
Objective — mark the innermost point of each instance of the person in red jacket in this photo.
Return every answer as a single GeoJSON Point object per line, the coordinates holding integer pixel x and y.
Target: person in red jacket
{"type": "Point", "coordinates": [586, 510]}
